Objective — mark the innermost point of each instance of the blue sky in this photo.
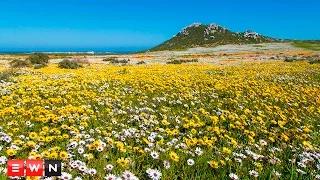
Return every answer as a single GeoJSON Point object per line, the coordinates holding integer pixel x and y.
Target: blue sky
{"type": "Point", "coordinates": [141, 24]}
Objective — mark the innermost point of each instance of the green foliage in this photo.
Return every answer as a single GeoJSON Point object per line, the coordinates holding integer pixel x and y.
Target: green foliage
{"type": "Point", "coordinates": [309, 45]}
{"type": "Point", "coordinates": [67, 64]}
{"type": "Point", "coordinates": [38, 58]}
{"type": "Point", "coordinates": [17, 63]}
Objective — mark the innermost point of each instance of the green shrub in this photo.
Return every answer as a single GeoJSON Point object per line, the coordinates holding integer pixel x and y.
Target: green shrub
{"type": "Point", "coordinates": [5, 76]}
{"type": "Point", "coordinates": [289, 59]}
{"type": "Point", "coordinates": [109, 59]}
{"type": "Point", "coordinates": [17, 63]}
{"type": "Point", "coordinates": [38, 58]}
{"type": "Point", "coordinates": [67, 64]}
{"type": "Point", "coordinates": [174, 62]}
{"type": "Point", "coordinates": [182, 61]}
{"type": "Point", "coordinates": [39, 66]}
{"type": "Point", "coordinates": [116, 61]}
{"type": "Point", "coordinates": [315, 61]}
{"type": "Point", "coordinates": [141, 62]}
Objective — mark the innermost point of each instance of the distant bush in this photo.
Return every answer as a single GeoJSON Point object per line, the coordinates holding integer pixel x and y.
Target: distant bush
{"type": "Point", "coordinates": [141, 62]}
{"type": "Point", "coordinates": [315, 61]}
{"type": "Point", "coordinates": [38, 66]}
{"type": "Point", "coordinates": [81, 61]}
{"type": "Point", "coordinates": [17, 63]}
{"type": "Point", "coordinates": [174, 62]}
{"type": "Point", "coordinates": [116, 61]}
{"type": "Point", "coordinates": [287, 59]}
{"type": "Point", "coordinates": [67, 64]}
{"type": "Point", "coordinates": [5, 76]}
{"type": "Point", "coordinates": [182, 61]}
{"type": "Point", "coordinates": [108, 59]}
{"type": "Point", "coordinates": [38, 58]}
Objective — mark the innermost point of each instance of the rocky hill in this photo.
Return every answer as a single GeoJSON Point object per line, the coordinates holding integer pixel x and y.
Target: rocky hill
{"type": "Point", "coordinates": [202, 35]}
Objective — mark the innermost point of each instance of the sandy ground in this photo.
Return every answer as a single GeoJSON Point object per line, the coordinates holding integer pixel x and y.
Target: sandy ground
{"type": "Point", "coordinates": [226, 54]}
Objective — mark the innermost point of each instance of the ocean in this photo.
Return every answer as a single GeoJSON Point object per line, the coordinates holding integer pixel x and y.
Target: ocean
{"type": "Point", "coordinates": [88, 51]}
{"type": "Point", "coordinates": [69, 52]}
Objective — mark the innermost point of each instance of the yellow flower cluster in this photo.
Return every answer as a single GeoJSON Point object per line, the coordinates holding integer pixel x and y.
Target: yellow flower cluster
{"type": "Point", "coordinates": [168, 117]}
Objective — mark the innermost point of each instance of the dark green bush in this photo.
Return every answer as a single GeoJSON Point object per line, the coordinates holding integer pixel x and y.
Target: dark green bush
{"type": "Point", "coordinates": [116, 61]}
{"type": "Point", "coordinates": [17, 63]}
{"type": "Point", "coordinates": [182, 61]}
{"type": "Point", "coordinates": [289, 59]}
{"type": "Point", "coordinates": [174, 62]}
{"type": "Point", "coordinates": [141, 62]}
{"type": "Point", "coordinates": [67, 64]}
{"type": "Point", "coordinates": [38, 58]}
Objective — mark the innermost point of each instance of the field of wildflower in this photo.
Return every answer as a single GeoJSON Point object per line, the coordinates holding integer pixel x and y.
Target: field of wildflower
{"type": "Point", "coordinates": [248, 121]}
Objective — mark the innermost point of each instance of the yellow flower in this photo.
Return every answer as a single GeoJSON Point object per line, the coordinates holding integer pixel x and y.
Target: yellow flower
{"type": "Point", "coordinates": [63, 155]}
{"type": "Point", "coordinates": [37, 156]}
{"type": "Point", "coordinates": [11, 152]}
{"type": "Point", "coordinates": [17, 142]}
{"type": "Point", "coordinates": [32, 178]}
{"type": "Point", "coordinates": [110, 141]}
{"type": "Point", "coordinates": [215, 119]}
{"type": "Point", "coordinates": [214, 164]}
{"type": "Point", "coordinates": [307, 144]}
{"type": "Point", "coordinates": [96, 143]}
{"type": "Point", "coordinates": [56, 148]}
{"type": "Point", "coordinates": [41, 139]}
{"type": "Point", "coordinates": [123, 162]}
{"type": "Point", "coordinates": [164, 122]}
{"type": "Point", "coordinates": [31, 144]}
{"type": "Point", "coordinates": [64, 126]}
{"type": "Point", "coordinates": [46, 154]}
{"type": "Point", "coordinates": [45, 128]}
{"type": "Point", "coordinates": [33, 135]}
{"type": "Point", "coordinates": [54, 155]}
{"type": "Point", "coordinates": [49, 139]}
{"type": "Point", "coordinates": [91, 147]}
{"type": "Point", "coordinates": [193, 131]}
{"type": "Point", "coordinates": [120, 145]}
{"type": "Point", "coordinates": [226, 150]}
{"type": "Point", "coordinates": [65, 136]}
{"type": "Point", "coordinates": [174, 156]}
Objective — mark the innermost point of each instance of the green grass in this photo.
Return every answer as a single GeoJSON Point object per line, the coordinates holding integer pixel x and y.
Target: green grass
{"type": "Point", "coordinates": [308, 46]}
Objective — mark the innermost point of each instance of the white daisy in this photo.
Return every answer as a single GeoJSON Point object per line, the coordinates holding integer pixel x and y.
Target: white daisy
{"type": "Point", "coordinates": [233, 176]}
{"type": "Point", "coordinates": [127, 175]}
{"type": "Point", "coordinates": [166, 164]}
{"type": "Point", "coordinates": [198, 151]}
{"type": "Point", "coordinates": [154, 174]}
{"type": "Point", "coordinates": [253, 173]}
{"type": "Point", "coordinates": [190, 162]}
{"type": "Point", "coordinates": [65, 175]}
{"type": "Point", "coordinates": [110, 177]}
{"type": "Point", "coordinates": [154, 155]}
{"type": "Point", "coordinates": [108, 167]}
